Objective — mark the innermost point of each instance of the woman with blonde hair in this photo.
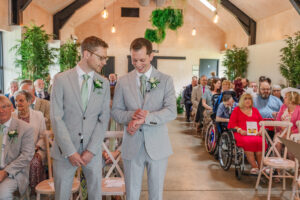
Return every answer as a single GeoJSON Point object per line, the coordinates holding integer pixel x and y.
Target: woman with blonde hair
{"type": "Point", "coordinates": [252, 144]}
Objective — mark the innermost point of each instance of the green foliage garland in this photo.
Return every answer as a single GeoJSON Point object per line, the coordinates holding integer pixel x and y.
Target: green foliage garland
{"type": "Point", "coordinates": [179, 105]}
{"type": "Point", "coordinates": [33, 54]}
{"type": "Point", "coordinates": [236, 62]}
{"type": "Point", "coordinates": [290, 60]}
{"type": "Point", "coordinates": [68, 55]}
{"type": "Point", "coordinates": [162, 19]}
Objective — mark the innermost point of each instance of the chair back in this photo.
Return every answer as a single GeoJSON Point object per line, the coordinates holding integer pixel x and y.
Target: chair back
{"type": "Point", "coordinates": [48, 142]}
{"type": "Point", "coordinates": [285, 131]}
{"type": "Point", "coordinates": [298, 125]}
{"type": "Point", "coordinates": [115, 161]}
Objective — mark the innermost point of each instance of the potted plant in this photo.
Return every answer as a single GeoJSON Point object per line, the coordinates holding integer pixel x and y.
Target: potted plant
{"type": "Point", "coordinates": [235, 62]}
{"type": "Point", "coordinates": [162, 19]}
{"type": "Point", "coordinates": [33, 54]}
{"type": "Point", "coordinates": [68, 55]}
{"type": "Point", "coordinates": [179, 105]}
{"type": "Point", "coordinates": [290, 60]}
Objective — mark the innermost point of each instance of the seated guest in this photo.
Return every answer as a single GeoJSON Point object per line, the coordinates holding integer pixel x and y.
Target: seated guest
{"type": "Point", "coordinates": [225, 85]}
{"type": "Point", "coordinates": [245, 83]}
{"type": "Point", "coordinates": [276, 91]}
{"type": "Point", "coordinates": [37, 103]}
{"type": "Point", "coordinates": [225, 109]}
{"type": "Point", "coordinates": [267, 104]}
{"type": "Point", "coordinates": [14, 86]}
{"type": "Point", "coordinates": [37, 121]}
{"type": "Point", "coordinates": [290, 110]}
{"type": "Point", "coordinates": [252, 145]}
{"type": "Point", "coordinates": [16, 137]}
{"type": "Point", "coordinates": [112, 79]}
{"type": "Point", "coordinates": [187, 97]}
{"type": "Point", "coordinates": [253, 85]}
{"type": "Point", "coordinates": [40, 91]}
{"type": "Point", "coordinates": [198, 92]}
{"type": "Point", "coordinates": [238, 87]}
{"type": "Point", "coordinates": [207, 100]}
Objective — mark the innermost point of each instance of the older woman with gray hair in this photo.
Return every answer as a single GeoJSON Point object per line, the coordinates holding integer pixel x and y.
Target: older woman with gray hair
{"type": "Point", "coordinates": [276, 91]}
{"type": "Point", "coordinates": [36, 119]}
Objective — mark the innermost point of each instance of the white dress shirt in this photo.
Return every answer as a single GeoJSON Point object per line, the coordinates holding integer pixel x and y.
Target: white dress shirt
{"type": "Point", "coordinates": [147, 74]}
{"type": "Point", "coordinates": [80, 73]}
{"type": "Point", "coordinates": [6, 124]}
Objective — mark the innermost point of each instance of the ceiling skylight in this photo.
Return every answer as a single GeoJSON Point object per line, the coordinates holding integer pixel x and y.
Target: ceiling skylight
{"type": "Point", "coordinates": [208, 4]}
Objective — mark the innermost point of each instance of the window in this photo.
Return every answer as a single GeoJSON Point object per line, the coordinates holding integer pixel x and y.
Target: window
{"type": "Point", "coordinates": [1, 65]}
{"type": "Point", "coordinates": [195, 70]}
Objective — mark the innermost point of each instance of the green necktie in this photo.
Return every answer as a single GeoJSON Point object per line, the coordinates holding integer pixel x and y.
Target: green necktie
{"type": "Point", "coordinates": [143, 80]}
{"type": "Point", "coordinates": [85, 91]}
{"type": "Point", "coordinates": [2, 126]}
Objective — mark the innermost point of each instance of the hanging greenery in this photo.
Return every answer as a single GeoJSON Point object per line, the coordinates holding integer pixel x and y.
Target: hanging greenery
{"type": "Point", "coordinates": [236, 62]}
{"type": "Point", "coordinates": [162, 19]}
{"type": "Point", "coordinates": [290, 60]}
{"type": "Point", "coordinates": [68, 55]}
{"type": "Point", "coordinates": [179, 105]}
{"type": "Point", "coordinates": [33, 54]}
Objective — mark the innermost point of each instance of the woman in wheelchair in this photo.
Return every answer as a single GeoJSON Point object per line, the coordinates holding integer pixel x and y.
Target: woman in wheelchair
{"type": "Point", "coordinates": [243, 115]}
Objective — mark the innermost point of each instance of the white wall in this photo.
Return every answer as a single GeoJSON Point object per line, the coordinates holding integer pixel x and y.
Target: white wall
{"type": "Point", "coordinates": [9, 40]}
{"type": "Point", "coordinates": [264, 60]}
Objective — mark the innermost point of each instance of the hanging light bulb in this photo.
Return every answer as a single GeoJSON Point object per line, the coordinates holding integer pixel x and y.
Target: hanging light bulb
{"type": "Point", "coordinates": [216, 18]}
{"type": "Point", "coordinates": [104, 13]}
{"type": "Point", "coordinates": [113, 29]}
{"type": "Point", "coordinates": [194, 31]}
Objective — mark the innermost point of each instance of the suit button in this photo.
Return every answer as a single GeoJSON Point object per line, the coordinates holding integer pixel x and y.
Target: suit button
{"type": "Point", "coordinates": [79, 134]}
{"type": "Point", "coordinates": [83, 118]}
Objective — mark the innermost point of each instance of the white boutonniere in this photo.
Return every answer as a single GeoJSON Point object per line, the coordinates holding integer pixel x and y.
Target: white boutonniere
{"type": "Point", "coordinates": [98, 85]}
{"type": "Point", "coordinates": [153, 83]}
{"type": "Point", "coordinates": [13, 135]}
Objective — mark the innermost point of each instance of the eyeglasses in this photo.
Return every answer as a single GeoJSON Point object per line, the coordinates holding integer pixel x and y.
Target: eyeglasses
{"type": "Point", "coordinates": [5, 106]}
{"type": "Point", "coordinates": [100, 57]}
{"type": "Point", "coordinates": [265, 89]}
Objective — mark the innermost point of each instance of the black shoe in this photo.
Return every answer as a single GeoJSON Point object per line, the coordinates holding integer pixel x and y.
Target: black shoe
{"type": "Point", "coordinates": [188, 120]}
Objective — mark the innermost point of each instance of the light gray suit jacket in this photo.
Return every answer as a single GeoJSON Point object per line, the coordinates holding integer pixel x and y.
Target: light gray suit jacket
{"type": "Point", "coordinates": [161, 104]}
{"type": "Point", "coordinates": [70, 121]}
{"type": "Point", "coordinates": [18, 153]}
{"type": "Point", "coordinates": [197, 94]}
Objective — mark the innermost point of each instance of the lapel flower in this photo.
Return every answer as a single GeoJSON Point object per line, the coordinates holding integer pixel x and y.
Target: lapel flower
{"type": "Point", "coordinates": [153, 82]}
{"type": "Point", "coordinates": [13, 135]}
{"type": "Point", "coordinates": [98, 84]}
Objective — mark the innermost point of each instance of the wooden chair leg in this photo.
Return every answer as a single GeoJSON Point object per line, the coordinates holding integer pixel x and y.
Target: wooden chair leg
{"type": "Point", "coordinates": [38, 196]}
{"type": "Point", "coordinates": [270, 184]}
{"type": "Point", "coordinates": [258, 178]}
{"type": "Point", "coordinates": [284, 180]}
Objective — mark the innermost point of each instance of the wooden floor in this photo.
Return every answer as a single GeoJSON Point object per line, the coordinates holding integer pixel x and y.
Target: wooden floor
{"type": "Point", "coordinates": [193, 174]}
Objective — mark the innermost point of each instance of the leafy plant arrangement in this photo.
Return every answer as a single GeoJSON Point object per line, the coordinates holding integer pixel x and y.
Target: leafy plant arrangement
{"type": "Point", "coordinates": [68, 55]}
{"type": "Point", "coordinates": [290, 60]}
{"type": "Point", "coordinates": [179, 105]}
{"type": "Point", "coordinates": [162, 19]}
{"type": "Point", "coordinates": [236, 62]}
{"type": "Point", "coordinates": [33, 54]}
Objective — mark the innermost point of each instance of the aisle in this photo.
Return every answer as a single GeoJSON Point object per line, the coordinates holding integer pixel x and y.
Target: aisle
{"type": "Point", "coordinates": [195, 175]}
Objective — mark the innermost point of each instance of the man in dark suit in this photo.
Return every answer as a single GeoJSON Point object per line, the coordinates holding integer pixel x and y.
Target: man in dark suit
{"type": "Point", "coordinates": [40, 92]}
{"type": "Point", "coordinates": [187, 98]}
{"type": "Point", "coordinates": [14, 86]}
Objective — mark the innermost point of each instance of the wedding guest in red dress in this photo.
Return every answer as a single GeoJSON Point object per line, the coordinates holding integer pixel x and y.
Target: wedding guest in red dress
{"type": "Point", "coordinates": [252, 145]}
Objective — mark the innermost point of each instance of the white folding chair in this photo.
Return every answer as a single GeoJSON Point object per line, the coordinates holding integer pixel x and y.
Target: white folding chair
{"type": "Point", "coordinates": [272, 159]}
{"type": "Point", "coordinates": [296, 184]}
{"type": "Point", "coordinates": [113, 186]}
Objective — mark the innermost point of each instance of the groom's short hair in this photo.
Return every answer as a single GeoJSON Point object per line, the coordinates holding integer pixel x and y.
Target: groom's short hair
{"type": "Point", "coordinates": [139, 43]}
{"type": "Point", "coordinates": [92, 42]}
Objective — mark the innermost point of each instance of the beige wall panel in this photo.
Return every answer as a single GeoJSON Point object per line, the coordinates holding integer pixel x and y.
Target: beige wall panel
{"type": "Point", "coordinates": [4, 20]}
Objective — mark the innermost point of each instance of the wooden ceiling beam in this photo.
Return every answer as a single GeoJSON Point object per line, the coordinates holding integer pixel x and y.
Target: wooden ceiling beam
{"type": "Point", "coordinates": [248, 24]}
{"type": "Point", "coordinates": [17, 8]}
{"type": "Point", "coordinates": [61, 17]}
{"type": "Point", "coordinates": [296, 4]}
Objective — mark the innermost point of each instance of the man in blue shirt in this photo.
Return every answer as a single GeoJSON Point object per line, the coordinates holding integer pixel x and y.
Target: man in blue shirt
{"type": "Point", "coordinates": [225, 109]}
{"type": "Point", "coordinates": [267, 104]}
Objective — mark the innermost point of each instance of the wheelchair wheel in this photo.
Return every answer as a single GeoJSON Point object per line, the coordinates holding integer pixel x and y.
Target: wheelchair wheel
{"type": "Point", "coordinates": [225, 150]}
{"type": "Point", "coordinates": [211, 139]}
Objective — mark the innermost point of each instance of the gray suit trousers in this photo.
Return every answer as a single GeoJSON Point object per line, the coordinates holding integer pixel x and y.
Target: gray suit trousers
{"type": "Point", "coordinates": [7, 188]}
{"type": "Point", "coordinates": [63, 178]}
{"type": "Point", "coordinates": [134, 171]}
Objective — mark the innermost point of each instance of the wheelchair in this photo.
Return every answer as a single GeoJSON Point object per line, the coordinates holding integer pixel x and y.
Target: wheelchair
{"type": "Point", "coordinates": [229, 153]}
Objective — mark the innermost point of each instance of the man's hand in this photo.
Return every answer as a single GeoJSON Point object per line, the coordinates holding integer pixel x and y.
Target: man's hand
{"type": "Point", "coordinates": [140, 114]}
{"type": "Point", "coordinates": [274, 114]}
{"type": "Point", "coordinates": [76, 160]}
{"type": "Point", "coordinates": [87, 156]}
{"type": "Point", "coordinates": [134, 125]}
{"type": "Point", "coordinates": [3, 175]}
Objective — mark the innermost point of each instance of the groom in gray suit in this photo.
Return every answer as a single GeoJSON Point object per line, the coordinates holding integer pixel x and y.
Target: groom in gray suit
{"type": "Point", "coordinates": [144, 101]}
{"type": "Point", "coordinates": [80, 101]}
{"type": "Point", "coordinates": [16, 151]}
